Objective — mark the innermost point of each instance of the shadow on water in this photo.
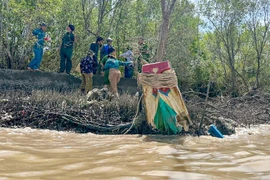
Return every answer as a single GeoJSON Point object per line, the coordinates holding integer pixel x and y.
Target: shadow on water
{"type": "Point", "coordinates": [168, 139]}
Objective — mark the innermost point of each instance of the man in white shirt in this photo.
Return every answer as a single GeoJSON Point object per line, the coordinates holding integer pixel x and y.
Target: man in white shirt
{"type": "Point", "coordinates": [128, 55]}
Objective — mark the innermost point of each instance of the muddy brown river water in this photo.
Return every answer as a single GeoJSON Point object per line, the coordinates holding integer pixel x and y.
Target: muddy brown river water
{"type": "Point", "coordinates": [42, 154]}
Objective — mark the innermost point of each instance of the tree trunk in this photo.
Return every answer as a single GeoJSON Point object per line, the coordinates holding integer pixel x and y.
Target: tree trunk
{"type": "Point", "coordinates": [259, 31]}
{"type": "Point", "coordinates": [1, 31]}
{"type": "Point", "coordinates": [5, 39]}
{"type": "Point", "coordinates": [167, 9]}
{"type": "Point", "coordinates": [163, 40]}
{"type": "Point", "coordinates": [233, 78]}
{"type": "Point", "coordinates": [258, 71]}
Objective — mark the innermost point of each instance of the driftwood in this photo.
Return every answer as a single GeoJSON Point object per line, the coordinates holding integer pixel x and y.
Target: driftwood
{"type": "Point", "coordinates": [73, 112]}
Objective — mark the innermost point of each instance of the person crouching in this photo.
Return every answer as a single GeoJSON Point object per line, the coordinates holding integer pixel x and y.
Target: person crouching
{"type": "Point", "coordinates": [87, 69]}
{"type": "Point", "coordinates": [113, 65]}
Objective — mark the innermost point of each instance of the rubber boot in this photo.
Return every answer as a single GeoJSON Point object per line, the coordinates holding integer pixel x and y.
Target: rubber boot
{"type": "Point", "coordinates": [117, 95]}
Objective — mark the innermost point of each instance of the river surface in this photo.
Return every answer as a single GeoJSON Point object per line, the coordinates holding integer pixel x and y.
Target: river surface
{"type": "Point", "coordinates": [43, 154]}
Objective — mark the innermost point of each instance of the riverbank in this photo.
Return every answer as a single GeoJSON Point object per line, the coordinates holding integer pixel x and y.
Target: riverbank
{"type": "Point", "coordinates": [61, 107]}
{"type": "Point", "coordinates": [48, 100]}
{"type": "Point", "coordinates": [67, 112]}
{"type": "Point", "coordinates": [27, 81]}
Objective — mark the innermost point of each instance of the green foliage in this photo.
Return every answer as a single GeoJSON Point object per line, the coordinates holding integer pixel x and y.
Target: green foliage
{"type": "Point", "coordinates": [236, 42]}
{"type": "Point", "coordinates": [218, 43]}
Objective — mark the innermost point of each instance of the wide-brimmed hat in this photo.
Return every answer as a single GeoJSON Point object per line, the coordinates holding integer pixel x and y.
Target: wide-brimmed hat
{"type": "Point", "coordinates": [112, 56]}
{"type": "Point", "coordinates": [90, 52]}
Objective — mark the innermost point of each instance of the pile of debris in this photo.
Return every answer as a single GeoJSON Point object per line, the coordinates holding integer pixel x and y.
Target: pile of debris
{"type": "Point", "coordinates": [227, 113]}
{"type": "Point", "coordinates": [98, 113]}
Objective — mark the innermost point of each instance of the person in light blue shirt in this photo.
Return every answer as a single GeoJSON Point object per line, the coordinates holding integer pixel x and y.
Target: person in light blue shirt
{"type": "Point", "coordinates": [128, 55]}
{"type": "Point", "coordinates": [38, 47]}
{"type": "Point", "coordinates": [113, 65]}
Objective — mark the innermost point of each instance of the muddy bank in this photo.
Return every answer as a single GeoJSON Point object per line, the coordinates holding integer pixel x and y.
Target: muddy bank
{"type": "Point", "coordinates": [35, 80]}
{"type": "Point", "coordinates": [59, 106]}
{"type": "Point", "coordinates": [71, 112]}
{"type": "Point", "coordinates": [104, 115]}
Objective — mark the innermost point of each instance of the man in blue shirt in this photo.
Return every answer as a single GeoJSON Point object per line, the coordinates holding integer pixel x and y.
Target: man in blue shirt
{"type": "Point", "coordinates": [39, 33]}
{"type": "Point", "coordinates": [105, 49]}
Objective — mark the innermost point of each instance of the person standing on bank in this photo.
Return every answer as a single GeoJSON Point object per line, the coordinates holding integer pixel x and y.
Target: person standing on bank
{"type": "Point", "coordinates": [95, 47]}
{"type": "Point", "coordinates": [87, 68]}
{"type": "Point", "coordinates": [106, 48]}
{"type": "Point", "coordinates": [66, 50]}
{"type": "Point", "coordinates": [128, 55]}
{"type": "Point", "coordinates": [40, 34]}
{"type": "Point", "coordinates": [106, 81]}
{"type": "Point", "coordinates": [144, 57]}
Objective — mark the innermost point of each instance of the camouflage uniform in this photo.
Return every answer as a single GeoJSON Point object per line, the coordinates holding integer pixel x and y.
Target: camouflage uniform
{"type": "Point", "coordinates": [144, 55]}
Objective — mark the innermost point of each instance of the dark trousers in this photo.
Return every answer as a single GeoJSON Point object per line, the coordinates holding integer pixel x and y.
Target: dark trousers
{"type": "Point", "coordinates": [96, 64]}
{"type": "Point", "coordinates": [65, 60]}
{"type": "Point", "coordinates": [128, 72]}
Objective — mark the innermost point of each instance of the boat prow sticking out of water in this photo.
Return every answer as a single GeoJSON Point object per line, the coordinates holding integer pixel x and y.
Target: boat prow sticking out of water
{"type": "Point", "coordinates": [165, 108]}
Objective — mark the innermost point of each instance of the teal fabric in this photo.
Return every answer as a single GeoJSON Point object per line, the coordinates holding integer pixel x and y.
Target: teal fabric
{"type": "Point", "coordinates": [95, 48]}
{"type": "Point", "coordinates": [40, 37]}
{"type": "Point", "coordinates": [66, 52]}
{"type": "Point", "coordinates": [165, 118]}
{"type": "Point", "coordinates": [68, 40]}
{"type": "Point", "coordinates": [38, 48]}
{"type": "Point", "coordinates": [65, 60]}
{"type": "Point", "coordinates": [38, 54]}
{"type": "Point", "coordinates": [115, 64]}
